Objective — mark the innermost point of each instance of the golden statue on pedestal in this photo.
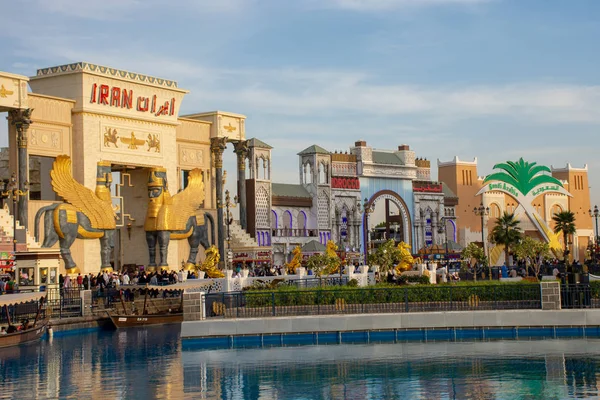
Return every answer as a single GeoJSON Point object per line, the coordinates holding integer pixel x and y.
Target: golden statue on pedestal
{"type": "Point", "coordinates": [84, 215]}
{"type": "Point", "coordinates": [209, 266]}
{"type": "Point", "coordinates": [175, 217]}
{"type": "Point", "coordinates": [296, 261]}
{"type": "Point", "coordinates": [406, 259]}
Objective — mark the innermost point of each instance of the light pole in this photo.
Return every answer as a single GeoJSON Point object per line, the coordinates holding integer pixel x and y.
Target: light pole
{"type": "Point", "coordinates": [11, 188]}
{"type": "Point", "coordinates": [366, 209]}
{"type": "Point", "coordinates": [228, 220]}
{"type": "Point", "coordinates": [482, 212]}
{"type": "Point", "coordinates": [595, 214]}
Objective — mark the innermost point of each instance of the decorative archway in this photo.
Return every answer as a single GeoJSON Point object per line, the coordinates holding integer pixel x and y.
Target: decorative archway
{"type": "Point", "coordinates": [402, 207]}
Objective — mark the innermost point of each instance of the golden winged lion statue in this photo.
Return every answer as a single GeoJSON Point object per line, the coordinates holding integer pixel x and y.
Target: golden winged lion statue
{"type": "Point", "coordinates": [209, 266]}
{"type": "Point", "coordinates": [85, 214]}
{"type": "Point", "coordinates": [175, 217]}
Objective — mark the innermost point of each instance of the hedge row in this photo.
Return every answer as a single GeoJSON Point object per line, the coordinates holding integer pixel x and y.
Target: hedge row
{"type": "Point", "coordinates": [595, 289]}
{"type": "Point", "coordinates": [416, 293]}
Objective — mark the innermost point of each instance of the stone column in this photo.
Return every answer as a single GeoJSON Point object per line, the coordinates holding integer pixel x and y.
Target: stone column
{"type": "Point", "coordinates": [86, 302]}
{"type": "Point", "coordinates": [217, 146]}
{"type": "Point", "coordinates": [241, 149]}
{"type": "Point", "coordinates": [21, 119]}
{"type": "Point", "coordinates": [193, 309]}
{"type": "Point", "coordinates": [551, 299]}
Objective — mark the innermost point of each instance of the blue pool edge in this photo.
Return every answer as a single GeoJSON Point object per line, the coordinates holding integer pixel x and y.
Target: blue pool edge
{"type": "Point", "coordinates": [388, 336]}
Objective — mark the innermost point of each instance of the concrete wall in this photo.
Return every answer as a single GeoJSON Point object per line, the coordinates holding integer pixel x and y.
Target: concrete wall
{"type": "Point", "coordinates": [430, 320]}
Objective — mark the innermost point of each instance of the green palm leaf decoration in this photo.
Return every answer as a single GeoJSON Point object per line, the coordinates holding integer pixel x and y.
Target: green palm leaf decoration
{"type": "Point", "coordinates": [523, 175]}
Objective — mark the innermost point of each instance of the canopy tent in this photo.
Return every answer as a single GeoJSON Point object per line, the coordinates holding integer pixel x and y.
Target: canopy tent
{"type": "Point", "coordinates": [453, 248]}
{"type": "Point", "coordinates": [18, 298]}
{"type": "Point", "coordinates": [189, 284]}
{"type": "Point", "coordinates": [313, 247]}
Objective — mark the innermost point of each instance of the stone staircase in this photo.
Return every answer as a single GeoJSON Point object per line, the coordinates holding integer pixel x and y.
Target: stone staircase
{"type": "Point", "coordinates": [7, 233]}
{"type": "Point", "coordinates": [239, 237]}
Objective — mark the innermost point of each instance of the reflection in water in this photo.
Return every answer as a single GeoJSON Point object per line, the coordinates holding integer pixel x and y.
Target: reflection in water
{"type": "Point", "coordinates": [149, 363]}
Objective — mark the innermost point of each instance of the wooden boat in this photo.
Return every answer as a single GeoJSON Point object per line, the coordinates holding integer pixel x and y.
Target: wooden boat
{"type": "Point", "coordinates": [130, 321]}
{"type": "Point", "coordinates": [32, 333]}
{"type": "Point", "coordinates": [145, 319]}
{"type": "Point", "coordinates": [124, 320]}
{"type": "Point", "coordinates": [26, 336]}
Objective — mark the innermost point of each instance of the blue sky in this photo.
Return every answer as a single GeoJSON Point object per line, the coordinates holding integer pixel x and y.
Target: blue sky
{"type": "Point", "coordinates": [496, 79]}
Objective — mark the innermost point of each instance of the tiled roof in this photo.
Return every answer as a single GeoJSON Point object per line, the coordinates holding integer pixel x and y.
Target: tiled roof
{"type": "Point", "coordinates": [448, 192]}
{"type": "Point", "coordinates": [289, 190]}
{"type": "Point", "coordinates": [384, 157]}
{"type": "Point", "coordinates": [313, 247]}
{"type": "Point", "coordinates": [254, 142]}
{"type": "Point", "coordinates": [314, 149]}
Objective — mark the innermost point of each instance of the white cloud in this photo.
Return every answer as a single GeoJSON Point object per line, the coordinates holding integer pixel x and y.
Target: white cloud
{"type": "Point", "coordinates": [115, 10]}
{"type": "Point", "coordinates": [376, 5]}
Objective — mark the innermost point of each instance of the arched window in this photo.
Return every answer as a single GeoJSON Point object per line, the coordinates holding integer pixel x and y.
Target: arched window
{"type": "Point", "coordinates": [556, 209]}
{"type": "Point", "coordinates": [302, 221]}
{"type": "Point", "coordinates": [287, 223]}
{"type": "Point", "coordinates": [274, 222]}
{"type": "Point", "coordinates": [495, 211]}
{"type": "Point", "coordinates": [322, 173]}
{"type": "Point", "coordinates": [307, 170]}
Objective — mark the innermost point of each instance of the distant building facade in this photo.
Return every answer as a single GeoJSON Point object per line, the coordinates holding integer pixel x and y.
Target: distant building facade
{"type": "Point", "coordinates": [462, 178]}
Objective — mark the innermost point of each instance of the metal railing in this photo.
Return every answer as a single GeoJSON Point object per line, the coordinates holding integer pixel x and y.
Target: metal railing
{"type": "Point", "coordinates": [577, 296]}
{"type": "Point", "coordinates": [316, 282]}
{"type": "Point", "coordinates": [372, 301]}
{"type": "Point", "coordinates": [64, 302]}
{"type": "Point", "coordinates": [288, 232]}
{"type": "Point", "coordinates": [20, 312]}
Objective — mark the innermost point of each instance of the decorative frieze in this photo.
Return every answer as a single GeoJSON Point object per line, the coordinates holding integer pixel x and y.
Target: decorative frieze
{"type": "Point", "coordinates": [118, 139]}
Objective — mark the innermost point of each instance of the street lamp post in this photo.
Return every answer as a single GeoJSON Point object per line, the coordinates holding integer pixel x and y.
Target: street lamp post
{"type": "Point", "coordinates": [11, 188]}
{"type": "Point", "coordinates": [595, 214]}
{"type": "Point", "coordinates": [482, 212]}
{"type": "Point", "coordinates": [228, 220]}
{"type": "Point", "coordinates": [366, 209]}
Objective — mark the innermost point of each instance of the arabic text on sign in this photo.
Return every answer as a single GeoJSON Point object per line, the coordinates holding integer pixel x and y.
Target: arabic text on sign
{"type": "Point", "coordinates": [123, 98]}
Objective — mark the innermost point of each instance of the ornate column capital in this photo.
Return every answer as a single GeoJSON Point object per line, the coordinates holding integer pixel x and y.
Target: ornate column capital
{"type": "Point", "coordinates": [21, 119]}
{"type": "Point", "coordinates": [241, 149]}
{"type": "Point", "coordinates": [217, 146]}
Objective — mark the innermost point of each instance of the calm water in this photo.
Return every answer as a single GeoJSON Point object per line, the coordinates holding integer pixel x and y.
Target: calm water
{"type": "Point", "coordinates": [147, 364]}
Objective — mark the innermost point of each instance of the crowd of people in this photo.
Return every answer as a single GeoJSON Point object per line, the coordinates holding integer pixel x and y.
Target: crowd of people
{"type": "Point", "coordinates": [8, 284]}
{"type": "Point", "coordinates": [25, 324]}
{"type": "Point", "coordinates": [105, 280]}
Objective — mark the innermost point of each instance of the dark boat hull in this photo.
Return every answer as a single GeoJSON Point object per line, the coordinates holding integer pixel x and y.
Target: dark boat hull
{"type": "Point", "coordinates": [130, 321]}
{"type": "Point", "coordinates": [17, 338]}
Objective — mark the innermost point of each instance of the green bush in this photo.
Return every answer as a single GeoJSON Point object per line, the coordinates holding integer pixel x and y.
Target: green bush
{"type": "Point", "coordinates": [595, 289]}
{"type": "Point", "coordinates": [386, 293]}
{"type": "Point", "coordinates": [352, 283]}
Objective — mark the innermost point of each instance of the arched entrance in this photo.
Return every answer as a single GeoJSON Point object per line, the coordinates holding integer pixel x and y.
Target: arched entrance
{"type": "Point", "coordinates": [403, 220]}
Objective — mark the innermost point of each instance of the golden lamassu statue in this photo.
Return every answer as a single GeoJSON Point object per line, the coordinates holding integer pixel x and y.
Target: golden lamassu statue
{"type": "Point", "coordinates": [175, 217]}
{"type": "Point", "coordinates": [209, 266]}
{"type": "Point", "coordinates": [85, 214]}
{"type": "Point", "coordinates": [406, 259]}
{"type": "Point", "coordinates": [296, 262]}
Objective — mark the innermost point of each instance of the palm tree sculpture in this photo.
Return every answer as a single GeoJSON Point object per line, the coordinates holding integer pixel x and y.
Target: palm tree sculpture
{"type": "Point", "coordinates": [528, 180]}
{"type": "Point", "coordinates": [506, 232]}
{"type": "Point", "coordinates": [564, 222]}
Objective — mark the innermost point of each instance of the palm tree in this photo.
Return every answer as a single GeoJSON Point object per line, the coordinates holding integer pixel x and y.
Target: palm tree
{"type": "Point", "coordinates": [564, 222]}
{"type": "Point", "coordinates": [506, 232]}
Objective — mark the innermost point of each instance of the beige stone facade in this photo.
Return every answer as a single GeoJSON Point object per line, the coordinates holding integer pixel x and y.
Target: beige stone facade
{"type": "Point", "coordinates": [94, 113]}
